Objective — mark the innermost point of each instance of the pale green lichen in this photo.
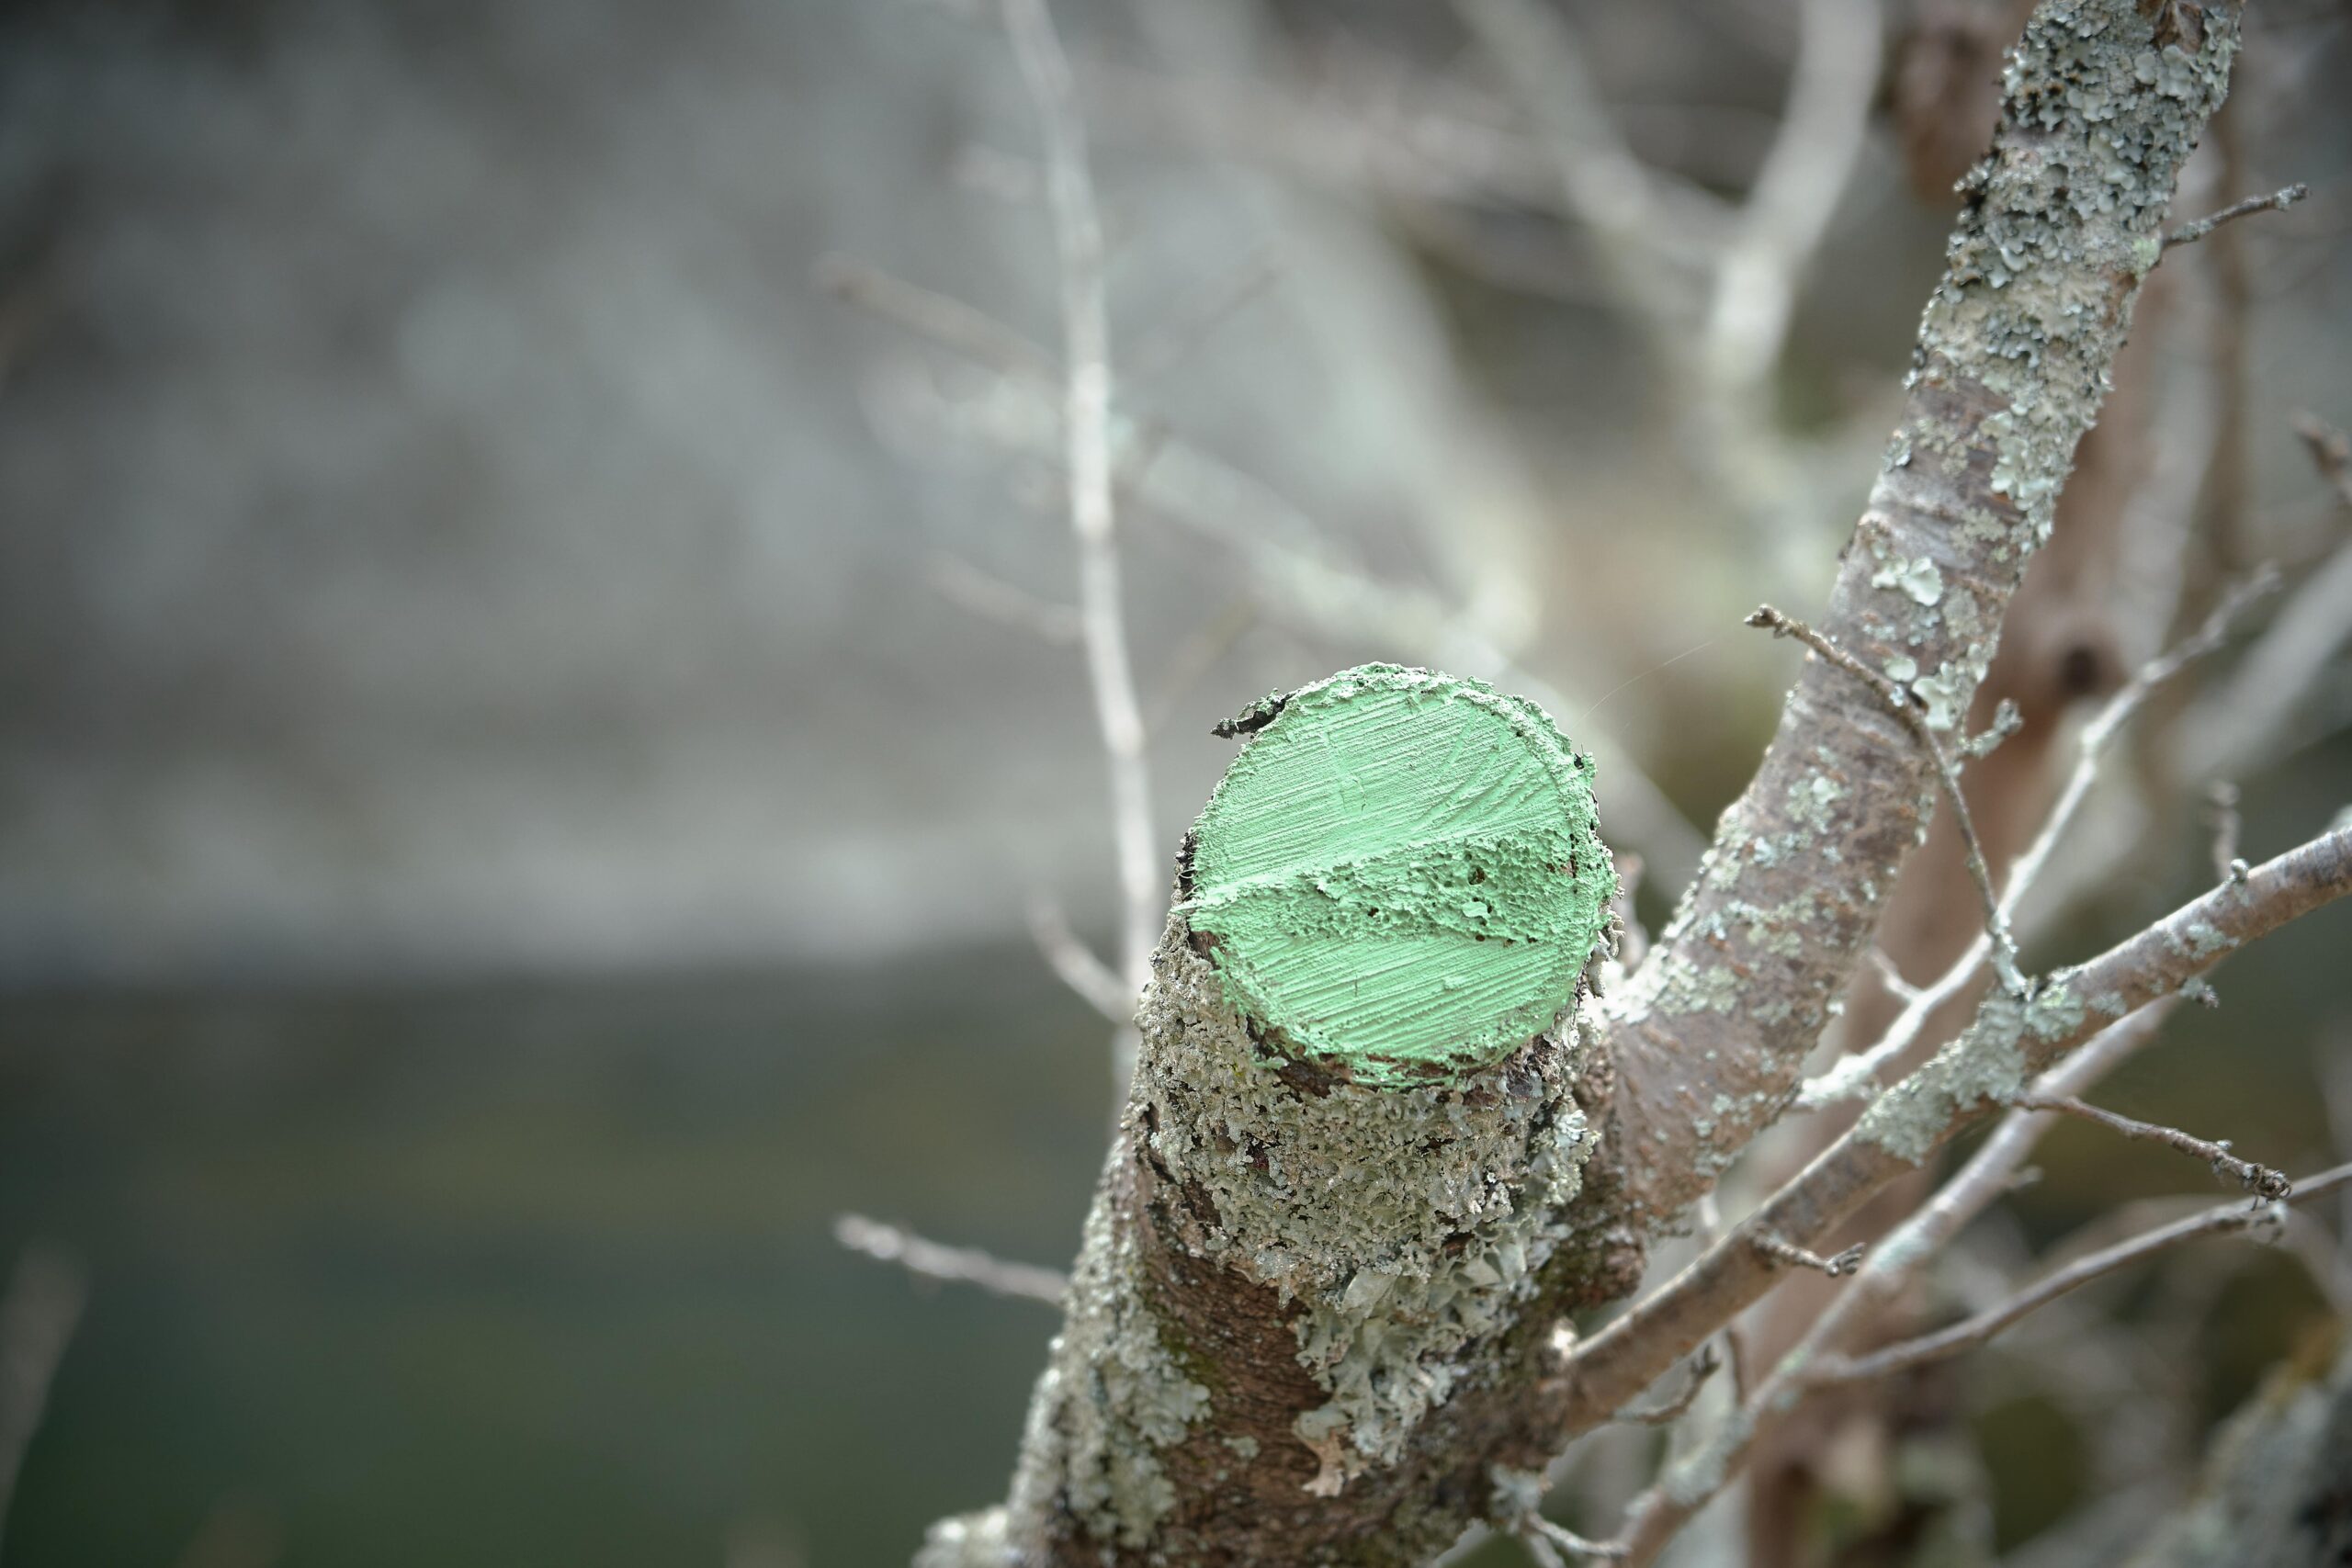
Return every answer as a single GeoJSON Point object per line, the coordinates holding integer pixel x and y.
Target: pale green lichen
{"type": "Point", "coordinates": [1112, 1397]}
{"type": "Point", "coordinates": [1406, 1221]}
{"type": "Point", "coordinates": [1990, 1062]}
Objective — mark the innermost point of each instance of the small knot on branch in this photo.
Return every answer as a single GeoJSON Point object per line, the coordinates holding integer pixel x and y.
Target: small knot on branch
{"type": "Point", "coordinates": [1837, 1264]}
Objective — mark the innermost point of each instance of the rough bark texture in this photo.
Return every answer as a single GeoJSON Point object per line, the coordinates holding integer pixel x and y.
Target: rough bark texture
{"type": "Point", "coordinates": [1313, 1321]}
{"type": "Point", "coordinates": [2059, 228]}
{"type": "Point", "coordinates": [1286, 1278]}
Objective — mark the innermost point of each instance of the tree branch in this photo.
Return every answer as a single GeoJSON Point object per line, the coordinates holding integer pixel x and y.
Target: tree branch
{"type": "Point", "coordinates": [1086, 433]}
{"type": "Point", "coordinates": [960, 1265]}
{"type": "Point", "coordinates": [2225, 1219]}
{"type": "Point", "coordinates": [2011, 370]}
{"type": "Point", "coordinates": [2277, 201]}
{"type": "Point", "coordinates": [1971, 1077]}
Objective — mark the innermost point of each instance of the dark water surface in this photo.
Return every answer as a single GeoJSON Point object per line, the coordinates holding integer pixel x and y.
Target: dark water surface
{"type": "Point", "coordinates": [543, 1274]}
{"type": "Point", "coordinates": [538, 1275]}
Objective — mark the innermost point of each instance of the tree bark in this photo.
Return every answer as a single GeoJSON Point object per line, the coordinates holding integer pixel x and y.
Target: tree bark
{"type": "Point", "coordinates": [1314, 1320]}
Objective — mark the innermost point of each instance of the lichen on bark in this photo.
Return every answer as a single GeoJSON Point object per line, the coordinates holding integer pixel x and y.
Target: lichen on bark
{"type": "Point", "coordinates": [1307, 1242]}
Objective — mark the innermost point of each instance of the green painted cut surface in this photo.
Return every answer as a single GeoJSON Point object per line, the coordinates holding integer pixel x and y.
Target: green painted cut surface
{"type": "Point", "coordinates": [1403, 874]}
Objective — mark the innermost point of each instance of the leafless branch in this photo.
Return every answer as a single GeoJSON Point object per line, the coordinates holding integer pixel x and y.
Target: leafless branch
{"type": "Point", "coordinates": [1658, 1513]}
{"type": "Point", "coordinates": [1289, 569]}
{"type": "Point", "coordinates": [1074, 965]}
{"type": "Point", "coordinates": [1906, 706]}
{"type": "Point", "coordinates": [2277, 201]}
{"type": "Point", "coordinates": [941, 318]}
{"type": "Point", "coordinates": [1674, 1409]}
{"type": "Point", "coordinates": [2224, 1220]}
{"type": "Point", "coordinates": [2260, 1179]}
{"type": "Point", "coordinates": [46, 1294]}
{"type": "Point", "coordinates": [1789, 207]}
{"type": "Point", "coordinates": [991, 598]}
{"type": "Point", "coordinates": [1086, 433]}
{"type": "Point", "coordinates": [961, 1265]}
{"type": "Point", "coordinates": [2222, 800]}
{"type": "Point", "coordinates": [1782, 1251]}
{"type": "Point", "coordinates": [2331, 452]}
{"type": "Point", "coordinates": [1951, 1093]}
{"type": "Point", "coordinates": [1545, 1541]}
{"type": "Point", "coordinates": [1195, 320]}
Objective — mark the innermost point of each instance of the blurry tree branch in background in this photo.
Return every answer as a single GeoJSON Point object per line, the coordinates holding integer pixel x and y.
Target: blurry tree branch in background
{"type": "Point", "coordinates": [47, 1292]}
{"type": "Point", "coordinates": [960, 1265]}
{"type": "Point", "coordinates": [1167, 1423]}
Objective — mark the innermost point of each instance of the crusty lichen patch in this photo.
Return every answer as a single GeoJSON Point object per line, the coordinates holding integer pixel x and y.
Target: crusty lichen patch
{"type": "Point", "coordinates": [1112, 1395]}
{"type": "Point", "coordinates": [1990, 1062]}
{"type": "Point", "coordinates": [1404, 1221]}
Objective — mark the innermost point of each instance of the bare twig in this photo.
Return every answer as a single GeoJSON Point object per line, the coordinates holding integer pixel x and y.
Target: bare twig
{"type": "Point", "coordinates": [991, 598]}
{"type": "Point", "coordinates": [2266, 1184]}
{"type": "Point", "coordinates": [1901, 701]}
{"type": "Point", "coordinates": [1536, 1530]}
{"type": "Point", "coordinates": [1074, 963]}
{"type": "Point", "coordinates": [1859, 1073]}
{"type": "Point", "coordinates": [1950, 1094]}
{"type": "Point", "coordinates": [2331, 452]}
{"type": "Point", "coordinates": [46, 1294]}
{"type": "Point", "coordinates": [1674, 1409]}
{"type": "Point", "coordinates": [2221, 799]}
{"type": "Point", "coordinates": [2247, 719]}
{"type": "Point", "coordinates": [1655, 1516]}
{"type": "Point", "coordinates": [960, 1265]}
{"type": "Point", "coordinates": [1789, 207]}
{"type": "Point", "coordinates": [1195, 319]}
{"type": "Point", "coordinates": [1602, 185]}
{"type": "Point", "coordinates": [1783, 1251]}
{"type": "Point", "coordinates": [1289, 570]}
{"type": "Point", "coordinates": [2277, 201]}
{"type": "Point", "coordinates": [2224, 1220]}
{"type": "Point", "coordinates": [939, 317]}
{"type": "Point", "coordinates": [1890, 976]}
{"type": "Point", "coordinates": [1086, 433]}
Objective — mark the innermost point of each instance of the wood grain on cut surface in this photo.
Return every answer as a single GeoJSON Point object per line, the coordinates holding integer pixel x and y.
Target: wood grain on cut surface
{"type": "Point", "coordinates": [1402, 874]}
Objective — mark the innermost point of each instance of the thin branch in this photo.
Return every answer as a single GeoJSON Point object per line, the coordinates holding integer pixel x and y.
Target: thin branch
{"type": "Point", "coordinates": [1935, 1104]}
{"type": "Point", "coordinates": [1674, 1409]}
{"type": "Point", "coordinates": [2266, 1183]}
{"type": "Point", "coordinates": [993, 599]}
{"type": "Point", "coordinates": [2331, 452]}
{"type": "Point", "coordinates": [1658, 1513]}
{"type": "Point", "coordinates": [1796, 192]}
{"type": "Point", "coordinates": [958, 1265]}
{"type": "Point", "coordinates": [1901, 701]}
{"type": "Point", "coordinates": [1602, 185]}
{"type": "Point", "coordinates": [1535, 1528]}
{"type": "Point", "coordinates": [47, 1292]}
{"type": "Point", "coordinates": [1783, 1251]}
{"type": "Point", "coordinates": [2277, 201]}
{"type": "Point", "coordinates": [1074, 963]}
{"type": "Point", "coordinates": [942, 318]}
{"type": "Point", "coordinates": [1288, 568]}
{"type": "Point", "coordinates": [1859, 1073]}
{"type": "Point", "coordinates": [2221, 799]}
{"type": "Point", "coordinates": [1891, 977]}
{"type": "Point", "coordinates": [1195, 320]}
{"type": "Point", "coordinates": [2224, 1220]}
{"type": "Point", "coordinates": [1086, 433]}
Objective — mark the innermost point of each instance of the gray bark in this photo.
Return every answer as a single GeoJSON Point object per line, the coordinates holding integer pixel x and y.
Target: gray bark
{"type": "Point", "coordinates": [1179, 1420]}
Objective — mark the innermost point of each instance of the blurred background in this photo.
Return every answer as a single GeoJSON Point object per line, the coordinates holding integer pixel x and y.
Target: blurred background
{"type": "Point", "coordinates": [542, 720]}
